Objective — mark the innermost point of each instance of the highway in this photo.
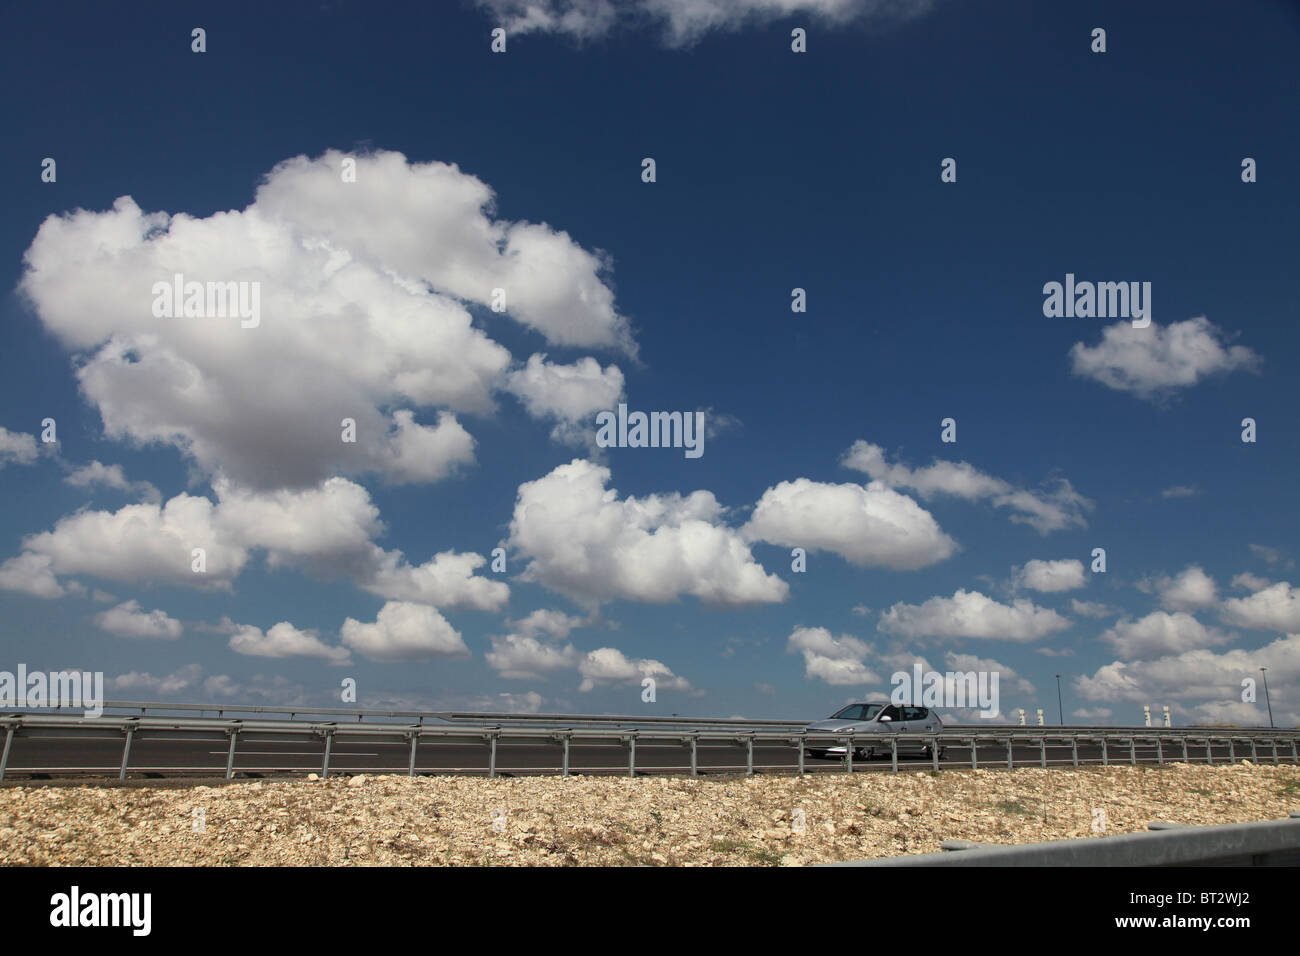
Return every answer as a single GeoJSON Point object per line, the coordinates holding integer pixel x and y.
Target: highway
{"type": "Point", "coordinates": [53, 753]}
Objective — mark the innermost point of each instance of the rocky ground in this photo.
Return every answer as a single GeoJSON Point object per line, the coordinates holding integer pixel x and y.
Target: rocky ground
{"type": "Point", "coordinates": [604, 821]}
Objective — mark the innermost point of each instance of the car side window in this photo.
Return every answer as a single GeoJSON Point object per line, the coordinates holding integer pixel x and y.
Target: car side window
{"type": "Point", "coordinates": [892, 712]}
{"type": "Point", "coordinates": [913, 713]}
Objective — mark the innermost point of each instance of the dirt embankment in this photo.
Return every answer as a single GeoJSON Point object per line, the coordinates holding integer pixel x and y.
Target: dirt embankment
{"type": "Point", "coordinates": [551, 821]}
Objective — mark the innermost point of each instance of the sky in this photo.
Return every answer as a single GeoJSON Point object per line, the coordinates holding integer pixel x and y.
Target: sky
{"type": "Point", "coordinates": [453, 259]}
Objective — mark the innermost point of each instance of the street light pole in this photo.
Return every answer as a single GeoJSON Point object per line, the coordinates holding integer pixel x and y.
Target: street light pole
{"type": "Point", "coordinates": [1060, 709]}
{"type": "Point", "coordinates": [1263, 670]}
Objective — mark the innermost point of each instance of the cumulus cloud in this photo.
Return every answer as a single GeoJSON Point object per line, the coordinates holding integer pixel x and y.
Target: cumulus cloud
{"type": "Point", "coordinates": [281, 640]}
{"type": "Point", "coordinates": [683, 22]}
{"type": "Point", "coordinates": [867, 526]}
{"type": "Point", "coordinates": [1275, 608]}
{"type": "Point", "coordinates": [1160, 633]}
{"type": "Point", "coordinates": [581, 539]}
{"type": "Point", "coordinates": [519, 657]}
{"type": "Point", "coordinates": [110, 476]}
{"type": "Point", "coordinates": [1092, 608]}
{"type": "Point", "coordinates": [128, 620]}
{"type": "Point", "coordinates": [447, 580]}
{"type": "Point", "coordinates": [1046, 510]}
{"type": "Point", "coordinates": [610, 666]}
{"type": "Point", "coordinates": [1210, 681]}
{"type": "Point", "coordinates": [1050, 576]}
{"type": "Point", "coordinates": [404, 631]}
{"type": "Point", "coordinates": [364, 289]}
{"type": "Point", "coordinates": [16, 448]}
{"type": "Point", "coordinates": [839, 663]}
{"type": "Point", "coordinates": [1190, 590]}
{"type": "Point", "coordinates": [1154, 362]}
{"type": "Point", "coordinates": [31, 574]}
{"type": "Point", "coordinates": [972, 614]}
{"type": "Point", "coordinates": [570, 395]}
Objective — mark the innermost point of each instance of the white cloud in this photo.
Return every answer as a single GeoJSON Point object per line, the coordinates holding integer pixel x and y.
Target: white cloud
{"type": "Point", "coordinates": [110, 476]}
{"type": "Point", "coordinates": [31, 574]}
{"type": "Point", "coordinates": [17, 448]}
{"type": "Point", "coordinates": [363, 290]}
{"type": "Point", "coordinates": [404, 631]}
{"type": "Point", "coordinates": [581, 539]}
{"type": "Point", "coordinates": [447, 580]}
{"type": "Point", "coordinates": [1050, 576]}
{"type": "Point", "coordinates": [972, 614]}
{"type": "Point", "coordinates": [1275, 608]}
{"type": "Point", "coordinates": [1250, 582]}
{"type": "Point", "coordinates": [1160, 634]}
{"type": "Point", "coordinates": [1008, 677]}
{"type": "Point", "coordinates": [1196, 676]}
{"type": "Point", "coordinates": [568, 394]}
{"type": "Point", "coordinates": [517, 657]}
{"type": "Point", "coordinates": [127, 620]}
{"type": "Point", "coordinates": [1092, 608]}
{"type": "Point", "coordinates": [1045, 511]}
{"type": "Point", "coordinates": [1154, 362]}
{"type": "Point", "coordinates": [839, 663]}
{"type": "Point", "coordinates": [683, 22]}
{"type": "Point", "coordinates": [609, 666]}
{"type": "Point", "coordinates": [867, 526]}
{"type": "Point", "coordinates": [282, 640]}
{"type": "Point", "coordinates": [1191, 590]}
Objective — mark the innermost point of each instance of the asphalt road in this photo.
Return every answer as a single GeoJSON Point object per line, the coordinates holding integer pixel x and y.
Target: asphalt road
{"type": "Point", "coordinates": [54, 753]}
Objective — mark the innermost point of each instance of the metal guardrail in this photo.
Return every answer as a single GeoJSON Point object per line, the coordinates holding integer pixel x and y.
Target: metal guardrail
{"type": "Point", "coordinates": [1267, 843]}
{"type": "Point", "coordinates": [1186, 743]}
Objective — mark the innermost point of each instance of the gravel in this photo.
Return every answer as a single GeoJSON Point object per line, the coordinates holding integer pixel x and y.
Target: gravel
{"type": "Point", "coordinates": [604, 821]}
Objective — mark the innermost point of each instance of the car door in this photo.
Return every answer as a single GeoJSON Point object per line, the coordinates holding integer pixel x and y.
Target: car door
{"type": "Point", "coordinates": [892, 726]}
{"type": "Point", "coordinates": [914, 726]}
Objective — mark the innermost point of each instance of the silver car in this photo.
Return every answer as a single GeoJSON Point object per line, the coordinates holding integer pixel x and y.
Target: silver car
{"type": "Point", "coordinates": [876, 717]}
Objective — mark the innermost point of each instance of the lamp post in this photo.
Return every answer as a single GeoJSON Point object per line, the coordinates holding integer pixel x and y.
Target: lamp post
{"type": "Point", "coordinates": [1060, 709]}
{"type": "Point", "coordinates": [1264, 670]}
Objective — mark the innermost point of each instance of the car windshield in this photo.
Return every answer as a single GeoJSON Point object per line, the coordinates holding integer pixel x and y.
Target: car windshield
{"type": "Point", "coordinates": [857, 712]}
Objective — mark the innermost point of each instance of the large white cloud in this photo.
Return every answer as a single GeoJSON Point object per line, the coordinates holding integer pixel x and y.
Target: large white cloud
{"type": "Point", "coordinates": [519, 657]}
{"type": "Point", "coordinates": [363, 288]}
{"type": "Point", "coordinates": [404, 631]}
{"type": "Point", "coordinates": [839, 663]}
{"type": "Point", "coordinates": [1159, 634]}
{"type": "Point", "coordinates": [281, 640]}
{"type": "Point", "coordinates": [447, 580]}
{"type": "Point", "coordinates": [1275, 608]}
{"type": "Point", "coordinates": [1047, 510]}
{"type": "Point", "coordinates": [867, 526]}
{"type": "Point", "coordinates": [610, 666]}
{"type": "Point", "coordinates": [972, 614]}
{"type": "Point", "coordinates": [1190, 590]}
{"type": "Point", "coordinates": [579, 538]}
{"type": "Point", "coordinates": [1155, 361]}
{"type": "Point", "coordinates": [1200, 683]}
{"type": "Point", "coordinates": [683, 21]}
{"type": "Point", "coordinates": [569, 395]}
{"type": "Point", "coordinates": [128, 620]}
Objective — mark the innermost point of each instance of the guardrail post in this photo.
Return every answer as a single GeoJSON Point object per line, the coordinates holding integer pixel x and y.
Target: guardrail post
{"type": "Point", "coordinates": [1186, 759]}
{"type": "Point", "coordinates": [1074, 750]}
{"type": "Point", "coordinates": [1160, 751]}
{"type": "Point", "coordinates": [1132, 751]}
{"type": "Point", "coordinates": [1042, 752]}
{"type": "Point", "coordinates": [325, 765]}
{"type": "Point", "coordinates": [410, 764]}
{"type": "Point", "coordinates": [9, 739]}
{"type": "Point", "coordinates": [1294, 759]}
{"type": "Point", "coordinates": [230, 755]}
{"type": "Point", "coordinates": [695, 767]}
{"type": "Point", "coordinates": [1274, 751]}
{"type": "Point", "coordinates": [893, 754]}
{"type": "Point", "coordinates": [934, 753]}
{"type": "Point", "coordinates": [848, 754]}
{"type": "Point", "coordinates": [1253, 757]}
{"type": "Point", "coordinates": [1010, 761]}
{"type": "Point", "coordinates": [126, 752]}
{"type": "Point", "coordinates": [800, 742]}
{"type": "Point", "coordinates": [631, 758]}
{"type": "Point", "coordinates": [974, 758]}
{"type": "Point", "coordinates": [564, 771]}
{"type": "Point", "coordinates": [1105, 753]}
{"type": "Point", "coordinates": [492, 755]}
{"type": "Point", "coordinates": [749, 756]}
{"type": "Point", "coordinates": [1209, 750]}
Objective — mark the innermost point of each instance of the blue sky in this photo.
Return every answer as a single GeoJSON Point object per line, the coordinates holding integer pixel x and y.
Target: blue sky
{"type": "Point", "coordinates": [775, 170]}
